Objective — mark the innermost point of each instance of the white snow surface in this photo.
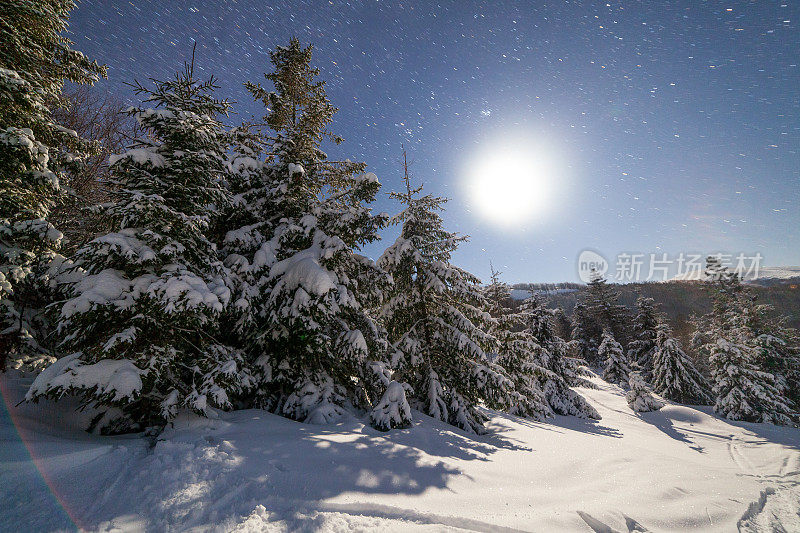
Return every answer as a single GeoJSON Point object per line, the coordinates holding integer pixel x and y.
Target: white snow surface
{"type": "Point", "coordinates": [786, 272]}
{"type": "Point", "coordinates": [677, 469]}
{"type": "Point", "coordinates": [764, 273]}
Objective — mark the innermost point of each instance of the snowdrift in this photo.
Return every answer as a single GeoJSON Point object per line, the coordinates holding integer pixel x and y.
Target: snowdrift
{"type": "Point", "coordinates": [677, 469]}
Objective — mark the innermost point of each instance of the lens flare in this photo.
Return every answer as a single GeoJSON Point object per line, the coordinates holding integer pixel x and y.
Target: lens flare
{"type": "Point", "coordinates": [24, 449]}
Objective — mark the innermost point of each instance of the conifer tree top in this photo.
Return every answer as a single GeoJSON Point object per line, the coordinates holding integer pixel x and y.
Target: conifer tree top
{"type": "Point", "coordinates": [298, 115]}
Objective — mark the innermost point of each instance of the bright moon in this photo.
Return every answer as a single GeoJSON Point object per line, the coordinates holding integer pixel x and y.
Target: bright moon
{"type": "Point", "coordinates": [512, 185]}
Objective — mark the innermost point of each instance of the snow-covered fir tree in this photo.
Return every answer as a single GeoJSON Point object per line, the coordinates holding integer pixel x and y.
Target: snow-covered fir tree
{"type": "Point", "coordinates": [435, 320]}
{"type": "Point", "coordinates": [743, 387]}
{"type": "Point", "coordinates": [540, 322]}
{"type": "Point", "coordinates": [615, 367]}
{"type": "Point", "coordinates": [497, 294]}
{"type": "Point", "coordinates": [640, 398]}
{"type": "Point", "coordinates": [778, 351]}
{"type": "Point", "coordinates": [518, 354]}
{"type": "Point", "coordinates": [605, 311]}
{"type": "Point", "coordinates": [557, 371]}
{"type": "Point", "coordinates": [35, 61]}
{"type": "Point", "coordinates": [304, 292]}
{"type": "Point", "coordinates": [674, 375]}
{"type": "Point", "coordinates": [143, 321]}
{"type": "Point", "coordinates": [244, 232]}
{"type": "Point", "coordinates": [534, 357]}
{"type": "Point", "coordinates": [562, 324]}
{"type": "Point", "coordinates": [643, 345]}
{"type": "Point", "coordinates": [586, 334]}
{"type": "Point", "coordinates": [742, 390]}
{"type": "Point", "coordinates": [777, 347]}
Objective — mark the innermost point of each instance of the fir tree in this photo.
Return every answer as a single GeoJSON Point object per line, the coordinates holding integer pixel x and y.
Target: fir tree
{"type": "Point", "coordinates": [744, 387]}
{"type": "Point", "coordinates": [517, 354]}
{"type": "Point", "coordinates": [35, 61]}
{"type": "Point", "coordinates": [393, 410]}
{"type": "Point", "coordinates": [305, 292]}
{"type": "Point", "coordinates": [143, 322]}
{"type": "Point", "coordinates": [497, 294]}
{"type": "Point", "coordinates": [539, 321]}
{"type": "Point", "coordinates": [778, 351]}
{"type": "Point", "coordinates": [586, 334]}
{"type": "Point", "coordinates": [674, 375]}
{"type": "Point", "coordinates": [640, 398]}
{"type": "Point", "coordinates": [643, 345]}
{"type": "Point", "coordinates": [556, 370]}
{"type": "Point", "coordinates": [616, 369]}
{"type": "Point", "coordinates": [777, 347]}
{"type": "Point", "coordinates": [562, 324]}
{"type": "Point", "coordinates": [743, 391]}
{"type": "Point", "coordinates": [435, 321]}
{"type": "Point", "coordinates": [245, 244]}
{"type": "Point", "coordinates": [602, 305]}
{"type": "Point", "coordinates": [298, 117]}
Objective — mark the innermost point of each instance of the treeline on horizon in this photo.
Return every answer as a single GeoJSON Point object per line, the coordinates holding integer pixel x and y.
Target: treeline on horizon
{"type": "Point", "coordinates": [680, 301]}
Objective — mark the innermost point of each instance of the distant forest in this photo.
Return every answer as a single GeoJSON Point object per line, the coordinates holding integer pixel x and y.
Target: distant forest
{"type": "Point", "coordinates": [678, 300]}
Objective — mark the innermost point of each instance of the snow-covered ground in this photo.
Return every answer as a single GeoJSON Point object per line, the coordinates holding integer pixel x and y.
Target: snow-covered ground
{"type": "Point", "coordinates": [786, 272]}
{"type": "Point", "coordinates": [674, 470]}
{"type": "Point", "coordinates": [781, 273]}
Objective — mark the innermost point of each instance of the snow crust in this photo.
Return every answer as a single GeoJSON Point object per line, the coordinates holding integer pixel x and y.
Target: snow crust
{"type": "Point", "coordinates": [677, 469]}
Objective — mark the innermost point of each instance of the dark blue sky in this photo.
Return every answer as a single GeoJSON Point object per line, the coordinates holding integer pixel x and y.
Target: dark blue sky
{"type": "Point", "coordinates": [676, 124]}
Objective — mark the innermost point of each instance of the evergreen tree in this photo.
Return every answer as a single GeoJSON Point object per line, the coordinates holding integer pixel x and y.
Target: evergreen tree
{"type": "Point", "coordinates": [393, 410]}
{"type": "Point", "coordinates": [778, 351]}
{"type": "Point", "coordinates": [616, 369]}
{"type": "Point", "coordinates": [586, 335]}
{"type": "Point", "coordinates": [497, 294]}
{"type": "Point", "coordinates": [727, 296]}
{"type": "Point", "coordinates": [517, 354]}
{"type": "Point", "coordinates": [556, 370]}
{"type": "Point", "coordinates": [246, 232]}
{"type": "Point", "coordinates": [562, 324]}
{"type": "Point", "coordinates": [534, 358]}
{"type": "Point", "coordinates": [539, 321]}
{"type": "Point", "coordinates": [35, 60]}
{"type": "Point", "coordinates": [435, 321]}
{"type": "Point", "coordinates": [143, 322]}
{"type": "Point", "coordinates": [602, 305]}
{"type": "Point", "coordinates": [643, 345]}
{"type": "Point", "coordinates": [674, 375]}
{"type": "Point", "coordinates": [299, 113]}
{"type": "Point", "coordinates": [777, 347]}
{"type": "Point", "coordinates": [743, 391]}
{"type": "Point", "coordinates": [304, 291]}
{"type": "Point", "coordinates": [640, 398]}
{"type": "Point", "coordinates": [739, 356]}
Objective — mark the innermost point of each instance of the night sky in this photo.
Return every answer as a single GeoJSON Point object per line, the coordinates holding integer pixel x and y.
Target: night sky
{"type": "Point", "coordinates": [675, 126]}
